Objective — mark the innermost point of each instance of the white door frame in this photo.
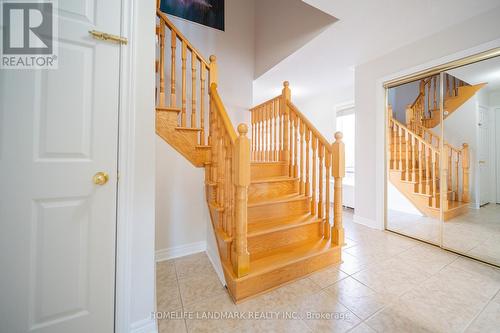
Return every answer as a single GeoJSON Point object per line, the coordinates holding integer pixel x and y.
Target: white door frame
{"type": "Point", "coordinates": [126, 161]}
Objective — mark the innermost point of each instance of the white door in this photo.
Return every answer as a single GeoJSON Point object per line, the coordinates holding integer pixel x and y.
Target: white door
{"type": "Point", "coordinates": [57, 129]}
{"type": "Point", "coordinates": [484, 156]}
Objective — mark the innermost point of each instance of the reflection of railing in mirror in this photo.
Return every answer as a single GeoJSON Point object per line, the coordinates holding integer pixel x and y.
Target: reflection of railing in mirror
{"type": "Point", "coordinates": [414, 164]}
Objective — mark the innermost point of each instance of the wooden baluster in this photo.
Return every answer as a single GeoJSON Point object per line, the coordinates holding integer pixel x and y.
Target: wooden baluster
{"type": "Point", "coordinates": [227, 183]}
{"type": "Point", "coordinates": [276, 122]}
{"type": "Point", "coordinates": [193, 90]}
{"type": "Point", "coordinates": [314, 170]}
{"type": "Point", "coordinates": [213, 74]}
{"type": "Point", "coordinates": [282, 126]}
{"type": "Point", "coordinates": [455, 92]}
{"type": "Point", "coordinates": [252, 141]}
{"type": "Point", "coordinates": [231, 185]}
{"type": "Point", "coordinates": [184, 94]}
{"type": "Point", "coordinates": [296, 139]}
{"type": "Point", "coordinates": [433, 178]}
{"type": "Point", "coordinates": [445, 178]}
{"type": "Point", "coordinates": [338, 172]}
{"type": "Point", "coordinates": [162, 63]}
{"type": "Point", "coordinates": [414, 158]}
{"type": "Point", "coordinates": [448, 93]}
{"type": "Point", "coordinates": [269, 132]}
{"type": "Point", "coordinates": [327, 226]}
{"type": "Point", "coordinates": [407, 155]}
{"type": "Point", "coordinates": [262, 142]}
{"type": "Point", "coordinates": [456, 175]}
{"type": "Point", "coordinates": [466, 172]}
{"type": "Point", "coordinates": [285, 97]}
{"type": "Point", "coordinates": [241, 160]}
{"type": "Point", "coordinates": [427, 169]}
{"type": "Point", "coordinates": [272, 119]}
{"type": "Point", "coordinates": [420, 152]}
{"type": "Point", "coordinates": [302, 178]}
{"type": "Point", "coordinates": [435, 92]}
{"type": "Point", "coordinates": [259, 119]}
{"type": "Point", "coordinates": [202, 103]}
{"type": "Point", "coordinates": [265, 114]}
{"type": "Point", "coordinates": [292, 144]}
{"type": "Point", "coordinates": [401, 157]}
{"type": "Point", "coordinates": [428, 98]}
{"type": "Point", "coordinates": [308, 141]}
{"type": "Point", "coordinates": [321, 154]}
{"type": "Point", "coordinates": [173, 101]}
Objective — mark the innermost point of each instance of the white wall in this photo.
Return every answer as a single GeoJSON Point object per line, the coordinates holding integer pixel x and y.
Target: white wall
{"type": "Point", "coordinates": [276, 37]}
{"type": "Point", "coordinates": [138, 279]}
{"type": "Point", "coordinates": [369, 99]}
{"type": "Point", "coordinates": [398, 202]}
{"type": "Point", "coordinates": [461, 127]}
{"type": "Point", "coordinates": [399, 97]}
{"type": "Point", "coordinates": [182, 217]}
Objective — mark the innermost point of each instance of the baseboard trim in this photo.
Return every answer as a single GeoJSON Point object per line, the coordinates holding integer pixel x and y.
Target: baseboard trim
{"type": "Point", "coordinates": [180, 251]}
{"type": "Point", "coordinates": [147, 325]}
{"type": "Point", "coordinates": [365, 221]}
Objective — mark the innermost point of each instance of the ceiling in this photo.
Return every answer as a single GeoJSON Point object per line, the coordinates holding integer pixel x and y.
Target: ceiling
{"type": "Point", "coordinates": [365, 30]}
{"type": "Point", "coordinates": [487, 71]}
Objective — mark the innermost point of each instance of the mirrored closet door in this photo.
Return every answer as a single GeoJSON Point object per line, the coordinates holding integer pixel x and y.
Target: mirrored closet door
{"type": "Point", "coordinates": [413, 158]}
{"type": "Point", "coordinates": [471, 224]}
{"type": "Point", "coordinates": [443, 157]}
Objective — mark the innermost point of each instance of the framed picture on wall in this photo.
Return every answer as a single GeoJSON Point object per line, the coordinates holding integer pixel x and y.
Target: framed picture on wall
{"type": "Point", "coordinates": [206, 12]}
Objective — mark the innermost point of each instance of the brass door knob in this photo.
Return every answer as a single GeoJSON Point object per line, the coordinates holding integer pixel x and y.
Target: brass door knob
{"type": "Point", "coordinates": [100, 178]}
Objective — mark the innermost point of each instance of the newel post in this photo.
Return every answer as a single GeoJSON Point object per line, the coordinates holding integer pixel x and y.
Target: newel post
{"type": "Point", "coordinates": [466, 172]}
{"type": "Point", "coordinates": [285, 111]}
{"type": "Point", "coordinates": [241, 160]}
{"type": "Point", "coordinates": [213, 75]}
{"type": "Point", "coordinates": [338, 172]}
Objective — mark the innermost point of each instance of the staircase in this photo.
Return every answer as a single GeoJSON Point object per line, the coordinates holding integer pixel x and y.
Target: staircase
{"type": "Point", "coordinates": [425, 110]}
{"type": "Point", "coordinates": [268, 191]}
{"type": "Point", "coordinates": [414, 169]}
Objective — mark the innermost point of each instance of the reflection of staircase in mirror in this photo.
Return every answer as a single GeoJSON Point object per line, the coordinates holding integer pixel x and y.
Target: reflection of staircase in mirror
{"type": "Point", "coordinates": [425, 110]}
{"type": "Point", "coordinates": [414, 169]}
{"type": "Point", "coordinates": [415, 156]}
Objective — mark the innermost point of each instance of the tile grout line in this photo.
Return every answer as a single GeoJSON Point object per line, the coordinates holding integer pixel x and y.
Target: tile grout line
{"type": "Point", "coordinates": [180, 294]}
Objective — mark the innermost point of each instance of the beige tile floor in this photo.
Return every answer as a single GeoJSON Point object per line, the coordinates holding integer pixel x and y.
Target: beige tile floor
{"type": "Point", "coordinates": [386, 283]}
{"type": "Point", "coordinates": [476, 234]}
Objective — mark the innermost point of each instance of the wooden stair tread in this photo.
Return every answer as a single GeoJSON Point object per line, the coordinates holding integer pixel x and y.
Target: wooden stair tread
{"type": "Point", "coordinates": [280, 199]}
{"type": "Point", "coordinates": [260, 227]}
{"type": "Point", "coordinates": [167, 109]}
{"type": "Point", "coordinates": [287, 255]}
{"type": "Point", "coordinates": [273, 179]}
{"type": "Point", "coordinates": [194, 129]}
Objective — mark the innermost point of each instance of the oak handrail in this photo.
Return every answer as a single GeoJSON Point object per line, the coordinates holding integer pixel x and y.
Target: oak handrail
{"type": "Point", "coordinates": [313, 129]}
{"type": "Point", "coordinates": [221, 110]}
{"type": "Point", "coordinates": [179, 34]}
{"type": "Point", "coordinates": [265, 103]}
{"type": "Point", "coordinates": [416, 136]}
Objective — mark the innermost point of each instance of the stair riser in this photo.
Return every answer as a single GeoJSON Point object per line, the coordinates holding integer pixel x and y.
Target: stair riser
{"type": "Point", "coordinates": [184, 142]}
{"type": "Point", "coordinates": [268, 170]}
{"type": "Point", "coordinates": [258, 246]}
{"type": "Point", "coordinates": [279, 210]}
{"type": "Point", "coordinates": [258, 192]}
{"type": "Point", "coordinates": [254, 285]}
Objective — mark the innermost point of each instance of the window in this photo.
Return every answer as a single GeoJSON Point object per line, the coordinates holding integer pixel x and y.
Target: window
{"type": "Point", "coordinates": [345, 124]}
